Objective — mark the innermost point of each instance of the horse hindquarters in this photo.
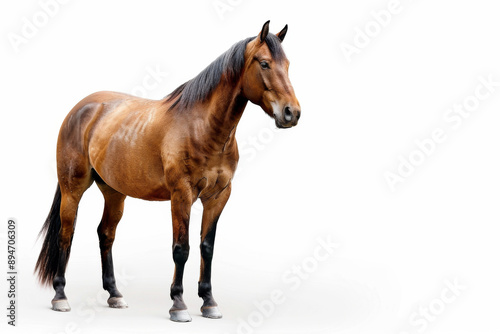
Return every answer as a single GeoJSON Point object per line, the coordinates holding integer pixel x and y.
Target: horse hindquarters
{"type": "Point", "coordinates": [74, 176]}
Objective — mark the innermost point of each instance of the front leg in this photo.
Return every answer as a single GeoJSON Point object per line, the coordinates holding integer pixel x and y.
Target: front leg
{"type": "Point", "coordinates": [181, 208]}
{"type": "Point", "coordinates": [212, 208]}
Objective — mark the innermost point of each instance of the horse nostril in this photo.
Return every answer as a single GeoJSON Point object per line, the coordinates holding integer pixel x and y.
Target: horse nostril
{"type": "Point", "coordinates": [298, 114]}
{"type": "Point", "coordinates": [288, 114]}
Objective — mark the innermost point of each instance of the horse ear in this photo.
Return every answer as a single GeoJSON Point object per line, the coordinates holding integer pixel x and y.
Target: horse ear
{"type": "Point", "coordinates": [264, 31]}
{"type": "Point", "coordinates": [281, 35]}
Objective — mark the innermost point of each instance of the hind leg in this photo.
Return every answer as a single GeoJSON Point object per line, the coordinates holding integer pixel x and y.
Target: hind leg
{"type": "Point", "coordinates": [71, 193]}
{"type": "Point", "coordinates": [113, 211]}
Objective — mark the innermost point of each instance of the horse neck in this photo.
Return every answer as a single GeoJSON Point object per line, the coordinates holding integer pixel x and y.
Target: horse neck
{"type": "Point", "coordinates": [222, 112]}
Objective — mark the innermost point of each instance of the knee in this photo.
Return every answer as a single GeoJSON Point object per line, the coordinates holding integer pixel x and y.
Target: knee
{"type": "Point", "coordinates": [106, 237]}
{"type": "Point", "coordinates": [180, 253]}
{"type": "Point", "coordinates": [207, 250]}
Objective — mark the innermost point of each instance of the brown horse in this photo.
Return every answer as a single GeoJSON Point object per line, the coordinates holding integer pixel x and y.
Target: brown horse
{"type": "Point", "coordinates": [180, 148]}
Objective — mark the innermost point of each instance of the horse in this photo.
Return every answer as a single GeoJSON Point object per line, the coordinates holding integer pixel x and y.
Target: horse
{"type": "Point", "coordinates": [180, 148]}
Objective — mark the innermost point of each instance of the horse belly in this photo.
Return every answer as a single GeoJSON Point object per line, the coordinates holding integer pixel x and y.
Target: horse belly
{"type": "Point", "coordinates": [128, 161]}
{"type": "Point", "coordinates": [132, 173]}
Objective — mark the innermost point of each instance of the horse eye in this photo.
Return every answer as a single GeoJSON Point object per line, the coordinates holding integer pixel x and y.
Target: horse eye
{"type": "Point", "coordinates": [264, 64]}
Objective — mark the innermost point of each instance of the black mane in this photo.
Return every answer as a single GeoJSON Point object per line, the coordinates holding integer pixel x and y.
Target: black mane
{"type": "Point", "coordinates": [230, 64]}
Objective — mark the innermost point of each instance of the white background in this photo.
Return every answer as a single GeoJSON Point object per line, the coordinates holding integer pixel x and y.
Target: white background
{"type": "Point", "coordinates": [322, 179]}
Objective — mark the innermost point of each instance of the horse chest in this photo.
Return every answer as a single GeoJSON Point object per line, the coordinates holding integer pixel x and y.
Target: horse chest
{"type": "Point", "coordinates": [212, 183]}
{"type": "Point", "coordinates": [213, 177]}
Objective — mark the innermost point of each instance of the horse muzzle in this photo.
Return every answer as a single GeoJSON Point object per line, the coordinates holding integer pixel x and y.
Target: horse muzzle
{"type": "Point", "coordinates": [288, 117]}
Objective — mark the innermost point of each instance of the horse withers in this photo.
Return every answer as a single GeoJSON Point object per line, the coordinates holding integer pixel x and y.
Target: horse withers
{"type": "Point", "coordinates": [180, 148]}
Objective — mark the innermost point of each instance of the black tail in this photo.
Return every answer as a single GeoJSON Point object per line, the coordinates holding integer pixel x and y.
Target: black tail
{"type": "Point", "coordinates": [48, 260]}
